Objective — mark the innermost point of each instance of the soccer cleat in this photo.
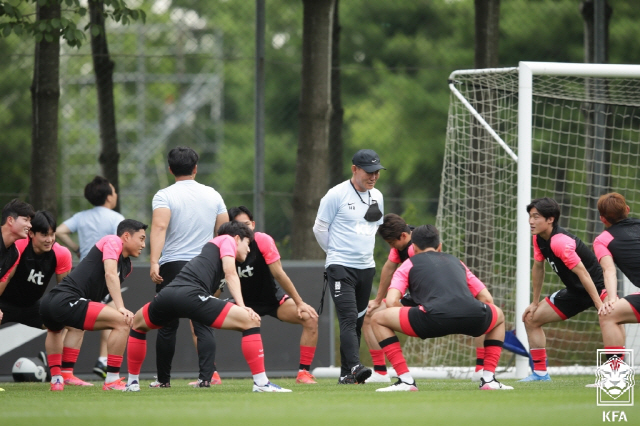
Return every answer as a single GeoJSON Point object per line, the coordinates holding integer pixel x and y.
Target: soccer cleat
{"type": "Point", "coordinates": [215, 379]}
{"type": "Point", "coordinates": [400, 386]}
{"type": "Point", "coordinates": [100, 369]}
{"type": "Point", "coordinates": [305, 377]}
{"type": "Point", "coordinates": [201, 384]}
{"type": "Point", "coordinates": [378, 378]}
{"type": "Point", "coordinates": [360, 373]}
{"type": "Point", "coordinates": [347, 380]}
{"type": "Point", "coordinates": [119, 384]}
{"type": "Point", "coordinates": [157, 384]}
{"type": "Point", "coordinates": [74, 381]}
{"type": "Point", "coordinates": [493, 385]}
{"type": "Point", "coordinates": [58, 385]}
{"type": "Point", "coordinates": [132, 387]}
{"type": "Point", "coordinates": [475, 377]}
{"type": "Point", "coordinates": [536, 378]}
{"type": "Point", "coordinates": [269, 387]}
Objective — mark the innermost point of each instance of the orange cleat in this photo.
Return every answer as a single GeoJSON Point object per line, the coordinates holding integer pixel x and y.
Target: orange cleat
{"type": "Point", "coordinates": [57, 386]}
{"type": "Point", "coordinates": [305, 377]}
{"type": "Point", "coordinates": [119, 384]}
{"type": "Point", "coordinates": [72, 380]}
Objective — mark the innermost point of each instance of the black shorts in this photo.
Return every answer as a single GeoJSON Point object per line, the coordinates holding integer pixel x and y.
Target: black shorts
{"type": "Point", "coordinates": [270, 305]}
{"type": "Point", "coordinates": [634, 301]}
{"type": "Point", "coordinates": [185, 302]}
{"type": "Point", "coordinates": [418, 323]}
{"type": "Point", "coordinates": [568, 303]}
{"type": "Point", "coordinates": [27, 315]}
{"type": "Point", "coordinates": [60, 309]}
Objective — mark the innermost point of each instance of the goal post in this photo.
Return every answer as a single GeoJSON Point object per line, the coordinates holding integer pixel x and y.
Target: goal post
{"type": "Point", "coordinates": [567, 131]}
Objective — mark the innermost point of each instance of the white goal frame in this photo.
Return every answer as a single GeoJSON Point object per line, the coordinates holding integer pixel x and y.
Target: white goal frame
{"type": "Point", "coordinates": [526, 72]}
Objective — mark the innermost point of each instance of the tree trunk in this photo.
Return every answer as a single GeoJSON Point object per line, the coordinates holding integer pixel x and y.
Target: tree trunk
{"type": "Point", "coordinates": [103, 67]}
{"type": "Point", "coordinates": [45, 98]}
{"type": "Point", "coordinates": [315, 112]}
{"type": "Point", "coordinates": [336, 171]}
{"type": "Point", "coordinates": [487, 21]}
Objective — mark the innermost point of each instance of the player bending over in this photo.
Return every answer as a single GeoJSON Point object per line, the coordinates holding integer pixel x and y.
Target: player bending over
{"type": "Point", "coordinates": [439, 284]}
{"type": "Point", "coordinates": [190, 295]}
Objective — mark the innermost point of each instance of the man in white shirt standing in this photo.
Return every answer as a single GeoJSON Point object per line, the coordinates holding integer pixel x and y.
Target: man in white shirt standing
{"type": "Point", "coordinates": [185, 217]}
{"type": "Point", "coordinates": [346, 225]}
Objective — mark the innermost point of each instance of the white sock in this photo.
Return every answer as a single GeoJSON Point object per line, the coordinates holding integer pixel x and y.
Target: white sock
{"type": "Point", "coordinates": [260, 379]}
{"type": "Point", "coordinates": [55, 379]}
{"type": "Point", "coordinates": [487, 376]}
{"type": "Point", "coordinates": [112, 377]}
{"type": "Point", "coordinates": [133, 378]}
{"type": "Point", "coordinates": [540, 372]}
{"type": "Point", "coordinates": [102, 359]}
{"type": "Point", "coordinates": [406, 377]}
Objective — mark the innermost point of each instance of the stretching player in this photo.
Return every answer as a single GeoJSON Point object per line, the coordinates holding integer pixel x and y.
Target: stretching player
{"type": "Point", "coordinates": [258, 275]}
{"type": "Point", "coordinates": [576, 266]}
{"type": "Point", "coordinates": [40, 258]}
{"type": "Point", "coordinates": [190, 295]}
{"type": "Point", "coordinates": [618, 245]}
{"type": "Point", "coordinates": [15, 225]}
{"type": "Point", "coordinates": [395, 231]}
{"type": "Point", "coordinates": [74, 302]}
{"type": "Point", "coordinates": [438, 283]}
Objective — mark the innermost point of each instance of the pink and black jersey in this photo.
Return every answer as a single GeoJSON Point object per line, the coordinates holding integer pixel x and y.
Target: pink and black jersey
{"type": "Point", "coordinates": [9, 257]}
{"type": "Point", "coordinates": [438, 282]}
{"type": "Point", "coordinates": [205, 270]}
{"type": "Point", "coordinates": [34, 272]}
{"type": "Point", "coordinates": [564, 251]}
{"type": "Point", "coordinates": [257, 283]}
{"type": "Point", "coordinates": [622, 242]}
{"type": "Point", "coordinates": [87, 280]}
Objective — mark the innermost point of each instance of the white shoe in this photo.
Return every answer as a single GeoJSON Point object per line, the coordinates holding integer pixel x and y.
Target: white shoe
{"type": "Point", "coordinates": [378, 378]}
{"type": "Point", "coordinates": [400, 386]}
{"type": "Point", "coordinates": [133, 387]}
{"type": "Point", "coordinates": [476, 376]}
{"type": "Point", "coordinates": [269, 387]}
{"type": "Point", "coordinates": [493, 385]}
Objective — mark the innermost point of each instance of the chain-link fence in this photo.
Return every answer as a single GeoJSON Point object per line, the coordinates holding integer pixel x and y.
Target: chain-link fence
{"type": "Point", "coordinates": [186, 77]}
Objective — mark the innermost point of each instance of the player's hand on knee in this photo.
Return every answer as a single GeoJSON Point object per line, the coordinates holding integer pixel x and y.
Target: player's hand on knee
{"type": "Point", "coordinates": [128, 316]}
{"type": "Point", "coordinates": [372, 306]}
{"type": "Point", "coordinates": [252, 314]}
{"type": "Point", "coordinates": [528, 313]}
{"type": "Point", "coordinates": [303, 307]}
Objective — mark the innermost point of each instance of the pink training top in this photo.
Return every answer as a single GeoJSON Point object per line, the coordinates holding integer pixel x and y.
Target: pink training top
{"type": "Point", "coordinates": [601, 245]}
{"type": "Point", "coordinates": [226, 244]}
{"type": "Point", "coordinates": [563, 246]}
{"type": "Point", "coordinates": [394, 255]}
{"type": "Point", "coordinates": [110, 246]}
{"type": "Point", "coordinates": [400, 280]}
{"type": "Point", "coordinates": [267, 247]}
{"type": "Point", "coordinates": [64, 261]}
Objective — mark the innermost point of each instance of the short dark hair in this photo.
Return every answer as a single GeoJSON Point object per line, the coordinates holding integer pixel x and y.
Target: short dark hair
{"type": "Point", "coordinates": [42, 221]}
{"type": "Point", "coordinates": [237, 211]}
{"type": "Point", "coordinates": [97, 191]}
{"type": "Point", "coordinates": [234, 228]}
{"type": "Point", "coordinates": [547, 207]}
{"type": "Point", "coordinates": [131, 226]}
{"type": "Point", "coordinates": [426, 236]}
{"type": "Point", "coordinates": [16, 208]}
{"type": "Point", "coordinates": [613, 207]}
{"type": "Point", "coordinates": [392, 227]}
{"type": "Point", "coordinates": [182, 160]}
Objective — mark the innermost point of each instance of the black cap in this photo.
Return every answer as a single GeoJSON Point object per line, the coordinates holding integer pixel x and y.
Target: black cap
{"type": "Point", "coordinates": [367, 160]}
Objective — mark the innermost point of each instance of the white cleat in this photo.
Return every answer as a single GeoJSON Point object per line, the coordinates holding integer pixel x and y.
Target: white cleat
{"type": "Point", "coordinates": [269, 387]}
{"type": "Point", "coordinates": [400, 386]}
{"type": "Point", "coordinates": [493, 385]}
{"type": "Point", "coordinates": [378, 378]}
{"type": "Point", "coordinates": [133, 387]}
{"type": "Point", "coordinates": [476, 376]}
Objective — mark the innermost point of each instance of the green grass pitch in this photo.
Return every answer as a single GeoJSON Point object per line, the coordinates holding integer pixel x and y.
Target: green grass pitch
{"type": "Point", "coordinates": [563, 402]}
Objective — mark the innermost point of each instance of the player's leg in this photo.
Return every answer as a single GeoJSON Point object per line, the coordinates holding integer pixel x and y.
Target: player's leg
{"type": "Point", "coordinates": [485, 297]}
{"type": "Point", "coordinates": [625, 311]}
{"type": "Point", "coordinates": [377, 355]}
{"type": "Point", "coordinates": [363, 292]}
{"type": "Point", "coordinates": [545, 314]}
{"type": "Point", "coordinates": [137, 347]}
{"type": "Point", "coordinates": [493, 342]}
{"type": "Point", "coordinates": [72, 343]}
{"type": "Point", "coordinates": [206, 347]}
{"type": "Point", "coordinates": [215, 377]}
{"type": "Point", "coordinates": [288, 312]}
{"type": "Point", "coordinates": [53, 345]}
{"type": "Point", "coordinates": [100, 368]}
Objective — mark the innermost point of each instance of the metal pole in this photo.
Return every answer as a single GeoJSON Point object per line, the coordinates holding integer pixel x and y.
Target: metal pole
{"type": "Point", "coordinates": [258, 168]}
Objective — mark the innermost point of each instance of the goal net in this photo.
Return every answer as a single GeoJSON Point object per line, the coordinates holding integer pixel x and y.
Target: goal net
{"type": "Point", "coordinates": [566, 131]}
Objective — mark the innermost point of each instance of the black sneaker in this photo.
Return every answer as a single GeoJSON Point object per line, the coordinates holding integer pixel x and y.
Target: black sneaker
{"type": "Point", "coordinates": [360, 373]}
{"type": "Point", "coordinates": [202, 384]}
{"type": "Point", "coordinates": [347, 380]}
{"type": "Point", "coordinates": [157, 384]}
{"type": "Point", "coordinates": [100, 369]}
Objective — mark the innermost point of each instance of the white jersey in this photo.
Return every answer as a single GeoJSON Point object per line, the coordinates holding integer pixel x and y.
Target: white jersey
{"type": "Point", "coordinates": [351, 237]}
{"type": "Point", "coordinates": [93, 224]}
{"type": "Point", "coordinates": [194, 210]}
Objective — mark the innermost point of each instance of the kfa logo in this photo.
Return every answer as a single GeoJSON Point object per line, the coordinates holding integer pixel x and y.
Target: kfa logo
{"type": "Point", "coordinates": [614, 416]}
{"type": "Point", "coordinates": [615, 378]}
{"type": "Point", "coordinates": [36, 278]}
{"type": "Point", "coordinates": [246, 272]}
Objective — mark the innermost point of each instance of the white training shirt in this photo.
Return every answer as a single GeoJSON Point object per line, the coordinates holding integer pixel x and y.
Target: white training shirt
{"type": "Point", "coordinates": [93, 224]}
{"type": "Point", "coordinates": [351, 237]}
{"type": "Point", "coordinates": [194, 210]}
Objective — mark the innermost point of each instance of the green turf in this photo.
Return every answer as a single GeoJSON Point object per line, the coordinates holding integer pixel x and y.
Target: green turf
{"type": "Point", "coordinates": [563, 402]}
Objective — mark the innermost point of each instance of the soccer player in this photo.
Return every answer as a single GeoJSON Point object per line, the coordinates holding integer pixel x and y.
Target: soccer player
{"type": "Point", "coordinates": [260, 292]}
{"type": "Point", "coordinates": [345, 227]}
{"type": "Point", "coordinates": [91, 225]}
{"type": "Point", "coordinates": [40, 258]}
{"type": "Point", "coordinates": [15, 225]}
{"type": "Point", "coordinates": [576, 266]}
{"type": "Point", "coordinates": [185, 217]}
{"type": "Point", "coordinates": [395, 231]}
{"type": "Point", "coordinates": [190, 295]}
{"type": "Point", "coordinates": [75, 301]}
{"type": "Point", "coordinates": [439, 284]}
{"type": "Point", "coordinates": [618, 244]}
